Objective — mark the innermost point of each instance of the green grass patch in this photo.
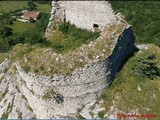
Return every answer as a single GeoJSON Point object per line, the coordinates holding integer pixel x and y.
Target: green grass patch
{"type": "Point", "coordinates": [3, 56]}
{"type": "Point", "coordinates": [101, 114]}
{"type": "Point", "coordinates": [69, 37]}
{"type": "Point", "coordinates": [19, 26]}
{"type": "Point", "coordinates": [46, 8]}
{"type": "Point", "coordinates": [9, 6]}
{"type": "Point", "coordinates": [48, 95]}
{"type": "Point", "coordinates": [20, 50]}
{"type": "Point", "coordinates": [132, 92]}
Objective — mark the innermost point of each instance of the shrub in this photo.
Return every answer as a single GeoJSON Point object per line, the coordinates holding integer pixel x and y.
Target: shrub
{"type": "Point", "coordinates": [36, 70]}
{"type": "Point", "coordinates": [146, 67]}
{"type": "Point", "coordinates": [5, 31]}
{"type": "Point", "coordinates": [33, 37]}
{"type": "Point", "coordinates": [101, 114]}
{"type": "Point", "coordinates": [31, 20]}
{"type": "Point", "coordinates": [4, 45]}
{"type": "Point", "coordinates": [41, 67]}
{"type": "Point", "coordinates": [15, 39]}
{"type": "Point", "coordinates": [31, 5]}
{"type": "Point", "coordinates": [42, 23]}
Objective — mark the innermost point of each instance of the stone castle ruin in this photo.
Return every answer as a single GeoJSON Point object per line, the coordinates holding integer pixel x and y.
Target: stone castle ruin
{"type": "Point", "coordinates": [72, 95]}
{"type": "Point", "coordinates": [84, 14]}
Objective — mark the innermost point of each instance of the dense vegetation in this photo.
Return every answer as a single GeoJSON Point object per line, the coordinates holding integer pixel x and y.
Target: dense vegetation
{"type": "Point", "coordinates": [31, 36]}
{"type": "Point", "coordinates": [146, 66]}
{"type": "Point", "coordinates": [69, 37]}
{"type": "Point", "coordinates": [13, 32]}
{"type": "Point", "coordinates": [144, 17]}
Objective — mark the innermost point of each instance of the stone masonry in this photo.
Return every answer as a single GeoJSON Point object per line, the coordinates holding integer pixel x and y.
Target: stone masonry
{"type": "Point", "coordinates": [22, 93]}
{"type": "Point", "coordinates": [84, 14]}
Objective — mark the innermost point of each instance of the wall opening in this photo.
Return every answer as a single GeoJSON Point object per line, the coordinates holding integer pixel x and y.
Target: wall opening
{"type": "Point", "coordinates": [95, 26]}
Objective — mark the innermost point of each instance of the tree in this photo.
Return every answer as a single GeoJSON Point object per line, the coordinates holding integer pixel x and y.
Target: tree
{"type": "Point", "coordinates": [31, 5]}
{"type": "Point", "coordinates": [33, 37]}
{"type": "Point", "coordinates": [42, 22]}
{"type": "Point", "coordinates": [4, 46]}
{"type": "Point", "coordinates": [146, 67]}
{"type": "Point", "coordinates": [15, 39]}
{"type": "Point", "coordinates": [32, 20]}
{"type": "Point", "coordinates": [5, 31]}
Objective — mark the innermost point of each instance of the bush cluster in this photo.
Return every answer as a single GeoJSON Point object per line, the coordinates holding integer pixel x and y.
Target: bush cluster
{"type": "Point", "coordinates": [146, 67]}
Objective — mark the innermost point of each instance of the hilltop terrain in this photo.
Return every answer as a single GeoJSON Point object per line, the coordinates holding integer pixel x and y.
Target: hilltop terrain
{"type": "Point", "coordinates": [52, 68]}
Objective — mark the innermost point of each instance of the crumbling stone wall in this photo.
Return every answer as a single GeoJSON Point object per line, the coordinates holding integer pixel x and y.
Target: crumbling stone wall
{"type": "Point", "coordinates": [84, 14]}
{"type": "Point", "coordinates": [81, 88]}
{"type": "Point", "coordinates": [3, 65]}
{"type": "Point", "coordinates": [25, 91]}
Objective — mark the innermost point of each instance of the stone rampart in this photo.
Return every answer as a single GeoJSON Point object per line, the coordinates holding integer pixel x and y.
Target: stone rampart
{"type": "Point", "coordinates": [84, 14]}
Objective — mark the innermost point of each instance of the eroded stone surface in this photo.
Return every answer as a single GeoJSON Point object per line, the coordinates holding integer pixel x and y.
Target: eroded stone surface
{"type": "Point", "coordinates": [26, 90]}
{"type": "Point", "coordinates": [89, 15]}
{"type": "Point", "coordinates": [28, 95]}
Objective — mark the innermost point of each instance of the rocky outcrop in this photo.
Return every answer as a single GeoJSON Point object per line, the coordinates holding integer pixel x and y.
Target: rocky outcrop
{"type": "Point", "coordinates": [61, 96]}
{"type": "Point", "coordinates": [3, 65]}
{"type": "Point", "coordinates": [28, 95]}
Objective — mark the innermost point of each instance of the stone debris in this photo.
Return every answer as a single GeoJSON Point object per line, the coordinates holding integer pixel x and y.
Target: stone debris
{"type": "Point", "coordinates": [142, 47]}
{"type": "Point", "coordinates": [139, 88]}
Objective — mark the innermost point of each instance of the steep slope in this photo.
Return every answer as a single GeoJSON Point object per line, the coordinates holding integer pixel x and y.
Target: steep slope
{"type": "Point", "coordinates": [37, 82]}
{"type": "Point", "coordinates": [134, 94]}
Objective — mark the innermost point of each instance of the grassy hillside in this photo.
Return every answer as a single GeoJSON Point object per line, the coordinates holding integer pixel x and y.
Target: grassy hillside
{"type": "Point", "coordinates": [136, 86]}
{"type": "Point", "coordinates": [130, 91]}
{"type": "Point", "coordinates": [144, 16]}
{"type": "Point", "coordinates": [16, 5]}
{"type": "Point", "coordinates": [7, 6]}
